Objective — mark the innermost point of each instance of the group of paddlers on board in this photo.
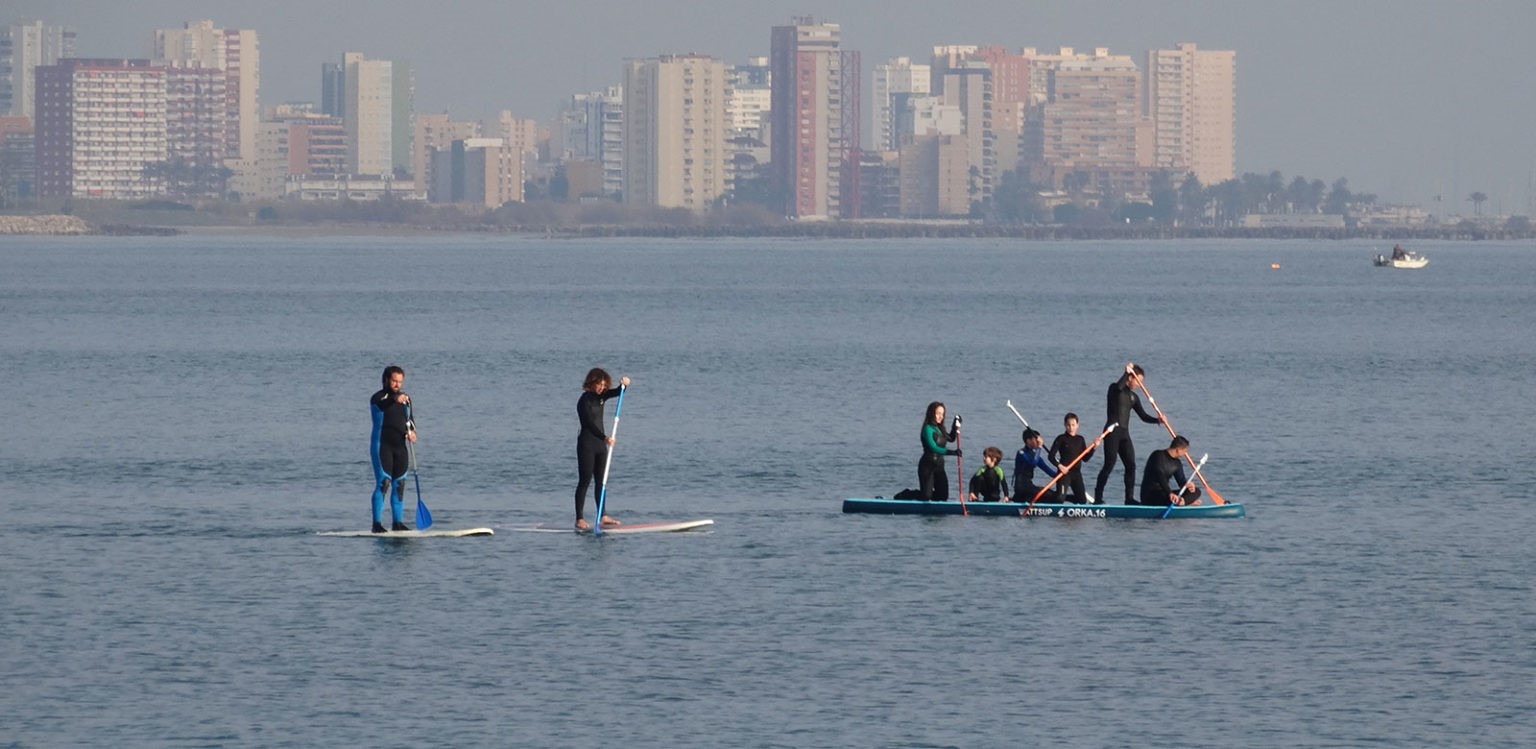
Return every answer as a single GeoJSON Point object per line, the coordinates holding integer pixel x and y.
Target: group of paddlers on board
{"type": "Point", "coordinates": [394, 436]}
{"type": "Point", "coordinates": [1163, 483]}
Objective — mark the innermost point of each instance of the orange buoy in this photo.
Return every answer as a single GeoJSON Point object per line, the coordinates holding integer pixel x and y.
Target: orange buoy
{"type": "Point", "coordinates": [1274, 266]}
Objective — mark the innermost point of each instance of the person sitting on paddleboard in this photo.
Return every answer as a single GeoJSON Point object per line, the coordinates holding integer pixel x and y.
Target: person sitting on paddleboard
{"type": "Point", "coordinates": [932, 480]}
{"type": "Point", "coordinates": [1122, 400]}
{"type": "Point", "coordinates": [592, 443]}
{"type": "Point", "coordinates": [1164, 466]}
{"type": "Point", "coordinates": [1065, 449]}
{"type": "Point", "coordinates": [392, 427]}
{"type": "Point", "coordinates": [989, 484]}
{"type": "Point", "coordinates": [1025, 461]}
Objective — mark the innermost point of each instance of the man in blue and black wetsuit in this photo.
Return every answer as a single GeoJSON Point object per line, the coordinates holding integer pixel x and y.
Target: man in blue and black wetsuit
{"type": "Point", "coordinates": [1122, 400]}
{"type": "Point", "coordinates": [392, 428]}
{"type": "Point", "coordinates": [1030, 457]}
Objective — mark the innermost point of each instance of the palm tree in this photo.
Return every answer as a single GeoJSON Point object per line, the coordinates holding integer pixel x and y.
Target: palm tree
{"type": "Point", "coordinates": [1477, 199]}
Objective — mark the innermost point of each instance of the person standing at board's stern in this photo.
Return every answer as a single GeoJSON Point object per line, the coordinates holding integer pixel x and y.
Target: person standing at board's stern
{"type": "Point", "coordinates": [592, 443]}
{"type": "Point", "coordinates": [932, 480]}
{"type": "Point", "coordinates": [392, 428]}
{"type": "Point", "coordinates": [1122, 400]}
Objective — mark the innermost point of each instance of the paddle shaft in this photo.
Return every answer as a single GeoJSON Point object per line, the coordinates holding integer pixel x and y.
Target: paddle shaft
{"type": "Point", "coordinates": [1161, 417]}
{"type": "Point", "coordinates": [960, 477]}
{"type": "Point", "coordinates": [1016, 413]}
{"type": "Point", "coordinates": [423, 515]}
{"type": "Point", "coordinates": [602, 490]}
{"type": "Point", "coordinates": [1067, 469]}
{"type": "Point", "coordinates": [1187, 484]}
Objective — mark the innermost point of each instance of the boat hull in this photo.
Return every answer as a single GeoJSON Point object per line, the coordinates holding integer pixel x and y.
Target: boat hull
{"type": "Point", "coordinates": [1015, 509]}
{"type": "Point", "coordinates": [1417, 261]}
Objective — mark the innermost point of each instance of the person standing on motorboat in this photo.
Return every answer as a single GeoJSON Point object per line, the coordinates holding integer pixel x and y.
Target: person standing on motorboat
{"type": "Point", "coordinates": [1398, 253]}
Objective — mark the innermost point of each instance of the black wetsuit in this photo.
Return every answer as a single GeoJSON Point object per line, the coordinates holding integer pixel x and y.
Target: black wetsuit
{"type": "Point", "coordinates": [1064, 450]}
{"type": "Point", "coordinates": [1122, 400]}
{"type": "Point", "coordinates": [591, 446]}
{"type": "Point", "coordinates": [1161, 468]}
{"type": "Point", "coordinates": [932, 480]}
{"type": "Point", "coordinates": [989, 484]}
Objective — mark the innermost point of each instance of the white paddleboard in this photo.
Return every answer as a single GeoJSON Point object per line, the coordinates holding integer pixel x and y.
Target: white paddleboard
{"type": "Point", "coordinates": [413, 534]}
{"type": "Point", "coordinates": [683, 525]}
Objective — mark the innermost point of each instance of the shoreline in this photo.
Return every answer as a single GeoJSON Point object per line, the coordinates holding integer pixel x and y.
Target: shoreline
{"type": "Point", "coordinates": [68, 225]}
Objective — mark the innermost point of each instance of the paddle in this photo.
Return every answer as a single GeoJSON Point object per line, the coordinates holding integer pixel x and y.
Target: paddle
{"type": "Point", "coordinates": [1208, 490]}
{"type": "Point", "coordinates": [1187, 484]}
{"type": "Point", "coordinates": [423, 515]}
{"type": "Point", "coordinates": [602, 492]}
{"type": "Point", "coordinates": [1066, 469]}
{"type": "Point", "coordinates": [960, 472]}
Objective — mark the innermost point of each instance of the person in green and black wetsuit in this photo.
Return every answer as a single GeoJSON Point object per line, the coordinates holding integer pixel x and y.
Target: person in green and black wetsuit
{"type": "Point", "coordinates": [932, 481]}
{"type": "Point", "coordinates": [989, 484]}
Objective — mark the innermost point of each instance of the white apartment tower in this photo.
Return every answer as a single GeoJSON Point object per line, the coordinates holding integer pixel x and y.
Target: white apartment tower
{"type": "Point", "coordinates": [233, 51]}
{"type": "Point", "coordinates": [369, 105]}
{"type": "Point", "coordinates": [23, 47]}
{"type": "Point", "coordinates": [896, 81]}
{"type": "Point", "coordinates": [1191, 99]}
{"type": "Point", "coordinates": [674, 131]}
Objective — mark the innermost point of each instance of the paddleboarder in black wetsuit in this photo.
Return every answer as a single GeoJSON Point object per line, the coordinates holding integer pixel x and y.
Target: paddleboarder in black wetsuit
{"type": "Point", "coordinates": [1122, 400]}
{"type": "Point", "coordinates": [1164, 466]}
{"type": "Point", "coordinates": [392, 427]}
{"type": "Point", "coordinates": [592, 443]}
{"type": "Point", "coordinates": [1064, 450]}
{"type": "Point", "coordinates": [932, 480]}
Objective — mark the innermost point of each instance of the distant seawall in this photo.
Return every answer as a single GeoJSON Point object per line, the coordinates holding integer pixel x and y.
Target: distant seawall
{"type": "Point", "coordinates": [46, 225]}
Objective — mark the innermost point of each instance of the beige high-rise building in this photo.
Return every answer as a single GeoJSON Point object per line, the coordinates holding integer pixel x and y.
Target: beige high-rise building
{"type": "Point", "coordinates": [436, 132]}
{"type": "Point", "coordinates": [234, 51]}
{"type": "Point", "coordinates": [369, 98]}
{"type": "Point", "coordinates": [1084, 114]}
{"type": "Point", "coordinates": [675, 131]}
{"type": "Point", "coordinates": [896, 81]}
{"type": "Point", "coordinates": [1191, 99]}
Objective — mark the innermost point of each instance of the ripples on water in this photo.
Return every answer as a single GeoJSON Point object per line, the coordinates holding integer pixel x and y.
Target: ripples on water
{"type": "Point", "coordinates": [184, 414]}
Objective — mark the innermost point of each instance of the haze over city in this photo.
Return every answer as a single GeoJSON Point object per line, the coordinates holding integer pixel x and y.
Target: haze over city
{"type": "Point", "coordinates": [1405, 100]}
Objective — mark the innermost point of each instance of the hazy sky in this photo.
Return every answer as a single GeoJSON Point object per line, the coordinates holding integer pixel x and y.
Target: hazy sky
{"type": "Point", "coordinates": [1406, 99]}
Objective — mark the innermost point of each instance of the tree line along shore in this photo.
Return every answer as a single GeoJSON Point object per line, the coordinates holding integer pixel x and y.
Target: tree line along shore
{"type": "Point", "coordinates": [615, 221]}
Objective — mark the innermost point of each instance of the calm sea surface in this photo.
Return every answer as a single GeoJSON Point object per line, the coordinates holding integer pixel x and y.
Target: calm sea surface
{"type": "Point", "coordinates": [183, 415]}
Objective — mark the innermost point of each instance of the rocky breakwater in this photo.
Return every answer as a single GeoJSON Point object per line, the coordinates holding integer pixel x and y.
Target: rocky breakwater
{"type": "Point", "coordinates": [46, 225]}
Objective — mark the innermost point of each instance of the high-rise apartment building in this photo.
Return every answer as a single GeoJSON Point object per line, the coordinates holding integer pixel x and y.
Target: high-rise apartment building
{"type": "Point", "coordinates": [968, 87]}
{"type": "Point", "coordinates": [436, 132]}
{"type": "Point", "coordinates": [368, 92]}
{"type": "Point", "coordinates": [402, 115]}
{"type": "Point", "coordinates": [23, 48]}
{"type": "Point", "coordinates": [1086, 116]}
{"type": "Point", "coordinates": [815, 120]}
{"type": "Point", "coordinates": [1191, 99]}
{"type": "Point", "coordinates": [234, 52]}
{"type": "Point", "coordinates": [486, 172]}
{"type": "Point", "coordinates": [101, 124]}
{"type": "Point", "coordinates": [674, 131]}
{"type": "Point", "coordinates": [894, 78]}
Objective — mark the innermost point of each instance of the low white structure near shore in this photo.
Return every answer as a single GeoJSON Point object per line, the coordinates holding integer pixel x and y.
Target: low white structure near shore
{"type": "Point", "coordinates": [55, 224]}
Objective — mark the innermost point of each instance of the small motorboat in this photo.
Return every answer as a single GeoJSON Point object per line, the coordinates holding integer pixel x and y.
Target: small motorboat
{"type": "Point", "coordinates": [1401, 259]}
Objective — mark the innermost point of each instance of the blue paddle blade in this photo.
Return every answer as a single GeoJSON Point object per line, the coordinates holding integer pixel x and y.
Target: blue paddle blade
{"type": "Point", "coordinates": [423, 517]}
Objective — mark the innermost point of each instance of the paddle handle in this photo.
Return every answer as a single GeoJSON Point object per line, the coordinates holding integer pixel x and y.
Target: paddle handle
{"type": "Point", "coordinates": [1016, 413]}
{"type": "Point", "coordinates": [602, 491]}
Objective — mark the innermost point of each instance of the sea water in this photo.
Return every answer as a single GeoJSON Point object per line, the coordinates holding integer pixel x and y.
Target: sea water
{"type": "Point", "coordinates": [183, 415]}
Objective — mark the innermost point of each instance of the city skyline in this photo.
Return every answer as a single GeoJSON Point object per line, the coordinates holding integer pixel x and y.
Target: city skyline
{"type": "Point", "coordinates": [1408, 103]}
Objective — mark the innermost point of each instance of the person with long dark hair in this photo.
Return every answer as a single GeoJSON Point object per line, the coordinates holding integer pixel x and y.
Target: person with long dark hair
{"type": "Point", "coordinates": [932, 480]}
{"type": "Point", "coordinates": [592, 442]}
